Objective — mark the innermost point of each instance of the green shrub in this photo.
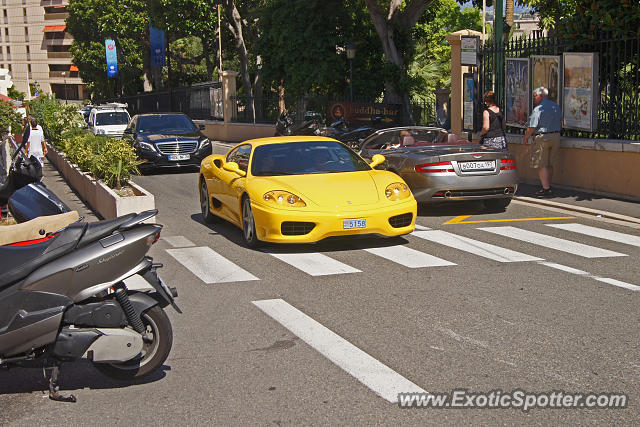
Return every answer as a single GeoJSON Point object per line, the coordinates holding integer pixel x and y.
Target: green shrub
{"type": "Point", "coordinates": [9, 118]}
{"type": "Point", "coordinates": [56, 119]}
{"type": "Point", "coordinates": [108, 159]}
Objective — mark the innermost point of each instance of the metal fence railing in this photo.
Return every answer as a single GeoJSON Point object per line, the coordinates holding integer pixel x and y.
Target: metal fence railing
{"type": "Point", "coordinates": [199, 101]}
{"type": "Point", "coordinates": [618, 114]}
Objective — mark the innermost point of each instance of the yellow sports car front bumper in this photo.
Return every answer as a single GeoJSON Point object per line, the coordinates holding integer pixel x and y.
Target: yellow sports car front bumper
{"type": "Point", "coordinates": [322, 224]}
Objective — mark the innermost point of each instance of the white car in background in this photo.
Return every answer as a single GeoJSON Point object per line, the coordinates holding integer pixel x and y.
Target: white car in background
{"type": "Point", "coordinates": [109, 120]}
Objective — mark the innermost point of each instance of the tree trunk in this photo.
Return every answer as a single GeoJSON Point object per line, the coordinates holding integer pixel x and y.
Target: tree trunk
{"type": "Point", "coordinates": [385, 27]}
{"type": "Point", "coordinates": [235, 26]}
{"type": "Point", "coordinates": [207, 58]}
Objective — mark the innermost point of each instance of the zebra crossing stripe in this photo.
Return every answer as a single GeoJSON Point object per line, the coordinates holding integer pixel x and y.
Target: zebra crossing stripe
{"type": "Point", "coordinates": [408, 257]}
{"type": "Point", "coordinates": [475, 247]}
{"type": "Point", "coordinates": [607, 280]}
{"type": "Point", "coordinates": [421, 227]}
{"type": "Point", "coordinates": [209, 266]}
{"type": "Point", "coordinates": [377, 376]}
{"type": "Point", "coordinates": [314, 264]}
{"type": "Point", "coordinates": [178, 241]}
{"type": "Point", "coordinates": [601, 233]}
{"type": "Point", "coordinates": [551, 242]}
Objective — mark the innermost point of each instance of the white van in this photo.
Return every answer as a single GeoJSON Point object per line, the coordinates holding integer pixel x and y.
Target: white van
{"type": "Point", "coordinates": [109, 120]}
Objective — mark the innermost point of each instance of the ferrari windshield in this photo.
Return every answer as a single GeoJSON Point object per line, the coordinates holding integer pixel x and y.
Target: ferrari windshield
{"type": "Point", "coordinates": [301, 158]}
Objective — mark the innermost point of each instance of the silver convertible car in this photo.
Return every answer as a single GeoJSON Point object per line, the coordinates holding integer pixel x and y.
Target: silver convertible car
{"type": "Point", "coordinates": [439, 167]}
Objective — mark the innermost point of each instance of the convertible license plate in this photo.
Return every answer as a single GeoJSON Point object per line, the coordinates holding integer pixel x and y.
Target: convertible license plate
{"type": "Point", "coordinates": [477, 166]}
{"type": "Point", "coordinates": [176, 157]}
{"type": "Point", "coordinates": [348, 224]}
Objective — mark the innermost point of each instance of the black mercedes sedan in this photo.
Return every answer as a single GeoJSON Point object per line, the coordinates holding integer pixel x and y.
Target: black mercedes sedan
{"type": "Point", "coordinates": [167, 140]}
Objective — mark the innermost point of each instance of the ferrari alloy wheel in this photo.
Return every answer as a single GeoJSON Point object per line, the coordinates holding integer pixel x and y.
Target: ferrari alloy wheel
{"type": "Point", "coordinates": [248, 224]}
{"type": "Point", "coordinates": [205, 206]}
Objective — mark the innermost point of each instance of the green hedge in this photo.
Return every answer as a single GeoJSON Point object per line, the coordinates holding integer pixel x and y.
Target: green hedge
{"type": "Point", "coordinates": [108, 159]}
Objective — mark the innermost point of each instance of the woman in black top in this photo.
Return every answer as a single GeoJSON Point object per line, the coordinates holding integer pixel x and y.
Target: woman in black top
{"type": "Point", "coordinates": [492, 134]}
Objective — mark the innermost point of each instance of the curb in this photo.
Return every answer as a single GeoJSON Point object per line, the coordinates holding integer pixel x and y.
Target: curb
{"type": "Point", "coordinates": [588, 211]}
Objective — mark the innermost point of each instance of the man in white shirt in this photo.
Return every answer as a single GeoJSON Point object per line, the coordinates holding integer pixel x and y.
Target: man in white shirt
{"type": "Point", "coordinates": [36, 145]}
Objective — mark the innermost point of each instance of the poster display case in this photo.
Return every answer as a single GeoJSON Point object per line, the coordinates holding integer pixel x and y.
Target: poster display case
{"type": "Point", "coordinates": [517, 92]}
{"type": "Point", "coordinates": [580, 91]}
{"type": "Point", "coordinates": [546, 71]}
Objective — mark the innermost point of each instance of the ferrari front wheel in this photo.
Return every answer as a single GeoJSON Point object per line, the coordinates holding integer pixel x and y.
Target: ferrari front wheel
{"type": "Point", "coordinates": [205, 205]}
{"type": "Point", "coordinates": [248, 224]}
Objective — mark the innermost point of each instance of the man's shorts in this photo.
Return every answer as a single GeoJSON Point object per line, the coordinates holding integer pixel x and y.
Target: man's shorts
{"type": "Point", "coordinates": [545, 150]}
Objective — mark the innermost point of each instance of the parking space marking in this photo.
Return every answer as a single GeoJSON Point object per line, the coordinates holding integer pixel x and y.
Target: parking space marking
{"type": "Point", "coordinates": [314, 264]}
{"type": "Point", "coordinates": [209, 266]}
{"type": "Point", "coordinates": [377, 376]}
{"type": "Point", "coordinates": [408, 257]}
{"type": "Point", "coordinates": [551, 242]}
{"type": "Point", "coordinates": [475, 247]}
{"type": "Point", "coordinates": [461, 219]}
{"type": "Point", "coordinates": [601, 233]}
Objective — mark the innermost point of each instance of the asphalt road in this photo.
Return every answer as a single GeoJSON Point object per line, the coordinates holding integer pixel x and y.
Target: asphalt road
{"type": "Point", "coordinates": [272, 341]}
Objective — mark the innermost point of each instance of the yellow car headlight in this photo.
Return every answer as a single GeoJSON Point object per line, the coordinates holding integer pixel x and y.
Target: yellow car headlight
{"type": "Point", "coordinates": [397, 191]}
{"type": "Point", "coordinates": [284, 198]}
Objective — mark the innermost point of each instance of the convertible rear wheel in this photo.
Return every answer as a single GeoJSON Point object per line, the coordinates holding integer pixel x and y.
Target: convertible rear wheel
{"type": "Point", "coordinates": [205, 205]}
{"type": "Point", "coordinates": [497, 204]}
{"type": "Point", "coordinates": [248, 224]}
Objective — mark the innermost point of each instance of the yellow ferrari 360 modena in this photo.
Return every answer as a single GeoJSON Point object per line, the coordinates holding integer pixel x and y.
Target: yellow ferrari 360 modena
{"type": "Point", "coordinates": [302, 189]}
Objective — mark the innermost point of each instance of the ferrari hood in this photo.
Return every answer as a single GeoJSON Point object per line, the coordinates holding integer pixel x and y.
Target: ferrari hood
{"type": "Point", "coordinates": [328, 190]}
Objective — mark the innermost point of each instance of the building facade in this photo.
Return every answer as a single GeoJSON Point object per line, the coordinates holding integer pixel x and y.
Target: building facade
{"type": "Point", "coordinates": [34, 47]}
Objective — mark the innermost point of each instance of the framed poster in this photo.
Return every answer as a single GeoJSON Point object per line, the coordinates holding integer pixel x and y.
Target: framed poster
{"type": "Point", "coordinates": [517, 92]}
{"type": "Point", "coordinates": [546, 72]}
{"type": "Point", "coordinates": [469, 50]}
{"type": "Point", "coordinates": [468, 92]}
{"type": "Point", "coordinates": [580, 91]}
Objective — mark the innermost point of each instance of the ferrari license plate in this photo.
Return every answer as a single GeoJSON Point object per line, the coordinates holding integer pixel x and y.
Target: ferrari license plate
{"type": "Point", "coordinates": [477, 166]}
{"type": "Point", "coordinates": [176, 157]}
{"type": "Point", "coordinates": [348, 224]}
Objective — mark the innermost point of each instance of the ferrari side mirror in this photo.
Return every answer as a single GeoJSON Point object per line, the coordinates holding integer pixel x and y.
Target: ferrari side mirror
{"type": "Point", "coordinates": [233, 167]}
{"type": "Point", "coordinates": [376, 160]}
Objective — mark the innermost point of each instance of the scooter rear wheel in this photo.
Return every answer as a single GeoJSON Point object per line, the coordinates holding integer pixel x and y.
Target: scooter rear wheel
{"type": "Point", "coordinates": [154, 352]}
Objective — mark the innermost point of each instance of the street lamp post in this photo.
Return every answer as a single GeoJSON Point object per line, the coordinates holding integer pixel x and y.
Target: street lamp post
{"type": "Point", "coordinates": [64, 74]}
{"type": "Point", "coordinates": [351, 53]}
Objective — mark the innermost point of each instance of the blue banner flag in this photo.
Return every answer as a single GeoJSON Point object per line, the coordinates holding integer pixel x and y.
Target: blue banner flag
{"type": "Point", "coordinates": [112, 58]}
{"type": "Point", "coordinates": [156, 37]}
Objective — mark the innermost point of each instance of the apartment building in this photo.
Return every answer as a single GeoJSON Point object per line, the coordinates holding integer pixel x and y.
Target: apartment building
{"type": "Point", "coordinates": [34, 47]}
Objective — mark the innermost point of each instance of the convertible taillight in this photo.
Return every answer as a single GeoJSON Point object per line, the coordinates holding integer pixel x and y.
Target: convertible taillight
{"type": "Point", "coordinates": [438, 167]}
{"type": "Point", "coordinates": [508, 164]}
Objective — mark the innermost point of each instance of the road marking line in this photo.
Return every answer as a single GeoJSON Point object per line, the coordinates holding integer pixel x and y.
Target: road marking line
{"type": "Point", "coordinates": [607, 280]}
{"type": "Point", "coordinates": [377, 376]}
{"type": "Point", "coordinates": [314, 264]}
{"type": "Point", "coordinates": [475, 247]}
{"type": "Point", "coordinates": [461, 219]}
{"type": "Point", "coordinates": [601, 233]}
{"type": "Point", "coordinates": [421, 227]}
{"type": "Point", "coordinates": [551, 242]}
{"type": "Point", "coordinates": [408, 257]}
{"type": "Point", "coordinates": [178, 241]}
{"type": "Point", "coordinates": [209, 266]}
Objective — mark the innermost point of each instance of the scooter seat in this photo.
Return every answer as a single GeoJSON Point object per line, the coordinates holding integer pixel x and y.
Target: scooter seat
{"type": "Point", "coordinates": [98, 230]}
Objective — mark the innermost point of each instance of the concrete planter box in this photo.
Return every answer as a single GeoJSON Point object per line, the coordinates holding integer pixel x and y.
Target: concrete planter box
{"type": "Point", "coordinates": [98, 195]}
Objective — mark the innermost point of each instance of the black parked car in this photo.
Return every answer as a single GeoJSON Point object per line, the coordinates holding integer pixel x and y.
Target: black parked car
{"type": "Point", "coordinates": [167, 140]}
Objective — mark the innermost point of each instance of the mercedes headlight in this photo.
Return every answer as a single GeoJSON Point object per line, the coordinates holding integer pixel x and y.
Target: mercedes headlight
{"type": "Point", "coordinates": [146, 146]}
{"type": "Point", "coordinates": [284, 198]}
{"type": "Point", "coordinates": [204, 142]}
{"type": "Point", "coordinates": [397, 191]}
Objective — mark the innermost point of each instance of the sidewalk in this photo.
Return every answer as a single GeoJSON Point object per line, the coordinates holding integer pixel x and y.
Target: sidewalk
{"type": "Point", "coordinates": [580, 201]}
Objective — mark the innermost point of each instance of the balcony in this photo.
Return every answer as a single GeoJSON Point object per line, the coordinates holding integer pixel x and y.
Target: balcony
{"type": "Point", "coordinates": [58, 55]}
{"type": "Point", "coordinates": [67, 74]}
{"type": "Point", "coordinates": [56, 16]}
